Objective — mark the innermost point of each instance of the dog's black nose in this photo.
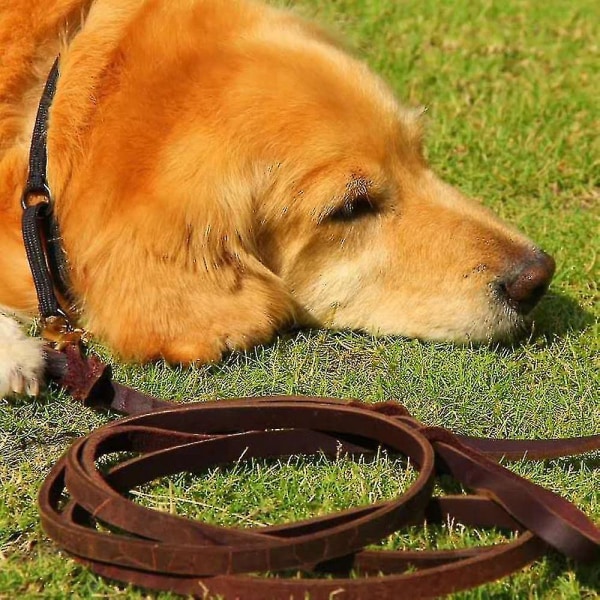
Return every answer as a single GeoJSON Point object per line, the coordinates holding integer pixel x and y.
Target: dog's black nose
{"type": "Point", "coordinates": [528, 282]}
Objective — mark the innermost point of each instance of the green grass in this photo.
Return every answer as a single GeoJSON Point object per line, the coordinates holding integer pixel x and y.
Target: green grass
{"type": "Point", "coordinates": [512, 90]}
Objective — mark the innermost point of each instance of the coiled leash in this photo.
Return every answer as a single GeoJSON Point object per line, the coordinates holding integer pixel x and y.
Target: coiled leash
{"type": "Point", "coordinates": [167, 552]}
{"type": "Point", "coordinates": [85, 508]}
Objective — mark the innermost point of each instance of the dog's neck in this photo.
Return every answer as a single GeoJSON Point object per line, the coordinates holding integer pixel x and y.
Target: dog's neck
{"type": "Point", "coordinates": [75, 30]}
{"type": "Point", "coordinates": [50, 27]}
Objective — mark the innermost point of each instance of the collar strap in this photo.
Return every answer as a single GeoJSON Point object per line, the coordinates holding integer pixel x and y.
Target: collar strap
{"type": "Point", "coordinates": [36, 188]}
{"type": "Point", "coordinates": [40, 230]}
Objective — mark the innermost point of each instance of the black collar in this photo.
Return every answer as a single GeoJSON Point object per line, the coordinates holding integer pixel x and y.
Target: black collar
{"type": "Point", "coordinates": [36, 188]}
{"type": "Point", "coordinates": [41, 235]}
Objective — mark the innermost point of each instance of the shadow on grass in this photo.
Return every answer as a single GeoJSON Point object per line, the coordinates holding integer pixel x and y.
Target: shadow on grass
{"type": "Point", "coordinates": [590, 460]}
{"type": "Point", "coordinates": [588, 575]}
{"type": "Point", "coordinates": [559, 314]}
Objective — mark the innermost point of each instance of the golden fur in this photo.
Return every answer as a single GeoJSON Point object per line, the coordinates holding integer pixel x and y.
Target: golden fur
{"type": "Point", "coordinates": [223, 169]}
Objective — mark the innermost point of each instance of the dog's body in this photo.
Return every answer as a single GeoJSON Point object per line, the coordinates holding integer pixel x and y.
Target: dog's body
{"type": "Point", "coordinates": [221, 170]}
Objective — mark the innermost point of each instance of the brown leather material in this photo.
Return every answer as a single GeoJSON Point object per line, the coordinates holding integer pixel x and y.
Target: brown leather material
{"type": "Point", "coordinates": [163, 551]}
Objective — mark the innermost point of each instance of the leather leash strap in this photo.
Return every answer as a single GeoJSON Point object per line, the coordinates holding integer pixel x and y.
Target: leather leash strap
{"type": "Point", "coordinates": [163, 551]}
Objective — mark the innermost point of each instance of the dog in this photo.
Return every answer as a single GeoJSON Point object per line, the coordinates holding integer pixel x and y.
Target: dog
{"type": "Point", "coordinates": [222, 170]}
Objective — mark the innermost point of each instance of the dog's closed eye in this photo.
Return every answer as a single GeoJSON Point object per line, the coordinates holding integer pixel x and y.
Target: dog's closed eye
{"type": "Point", "coordinates": [353, 209]}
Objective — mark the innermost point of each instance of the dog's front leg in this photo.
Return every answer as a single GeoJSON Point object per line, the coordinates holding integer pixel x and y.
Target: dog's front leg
{"type": "Point", "coordinates": [21, 360]}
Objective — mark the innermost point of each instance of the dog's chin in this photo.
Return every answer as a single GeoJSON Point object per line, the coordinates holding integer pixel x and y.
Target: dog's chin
{"type": "Point", "coordinates": [506, 327]}
{"type": "Point", "coordinates": [501, 324]}
{"type": "Point", "coordinates": [498, 323]}
{"type": "Point", "coordinates": [490, 321]}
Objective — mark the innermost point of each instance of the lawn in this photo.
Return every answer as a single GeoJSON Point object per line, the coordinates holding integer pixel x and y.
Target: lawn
{"type": "Point", "coordinates": [512, 94]}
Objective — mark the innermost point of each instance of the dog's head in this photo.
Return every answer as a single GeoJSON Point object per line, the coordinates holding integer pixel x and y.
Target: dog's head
{"type": "Point", "coordinates": [351, 218]}
{"type": "Point", "coordinates": [285, 161]}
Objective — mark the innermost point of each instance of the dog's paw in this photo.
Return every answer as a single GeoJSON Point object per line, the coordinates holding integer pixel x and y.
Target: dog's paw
{"type": "Point", "coordinates": [21, 360]}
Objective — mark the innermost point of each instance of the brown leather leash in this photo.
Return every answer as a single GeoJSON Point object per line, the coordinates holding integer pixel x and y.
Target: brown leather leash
{"type": "Point", "coordinates": [162, 551]}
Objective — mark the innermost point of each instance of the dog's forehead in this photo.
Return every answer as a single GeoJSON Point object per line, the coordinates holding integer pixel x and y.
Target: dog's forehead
{"type": "Point", "coordinates": [317, 76]}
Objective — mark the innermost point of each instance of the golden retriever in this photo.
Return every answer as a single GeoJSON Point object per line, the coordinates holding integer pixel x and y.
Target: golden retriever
{"type": "Point", "coordinates": [222, 169]}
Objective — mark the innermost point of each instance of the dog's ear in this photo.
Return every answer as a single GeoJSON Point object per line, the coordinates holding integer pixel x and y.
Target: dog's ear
{"type": "Point", "coordinates": [235, 301]}
{"type": "Point", "coordinates": [180, 279]}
